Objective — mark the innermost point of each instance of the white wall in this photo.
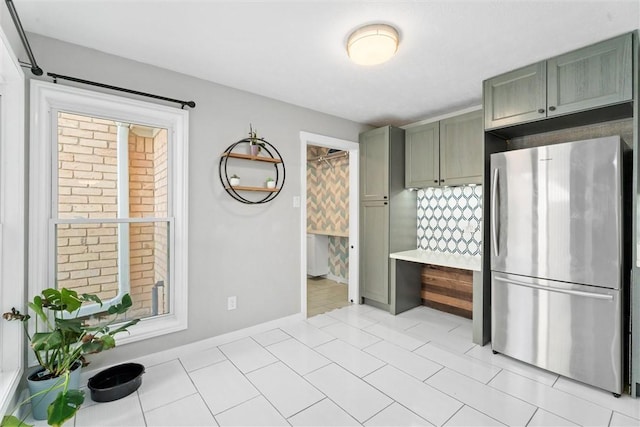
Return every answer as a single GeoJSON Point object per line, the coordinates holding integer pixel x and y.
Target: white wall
{"type": "Point", "coordinates": [251, 252]}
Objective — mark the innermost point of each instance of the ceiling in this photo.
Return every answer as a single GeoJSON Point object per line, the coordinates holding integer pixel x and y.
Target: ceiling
{"type": "Point", "coordinates": [294, 50]}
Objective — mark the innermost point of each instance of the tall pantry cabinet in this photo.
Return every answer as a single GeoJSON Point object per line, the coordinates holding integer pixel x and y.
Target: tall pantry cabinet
{"type": "Point", "coordinates": [388, 212]}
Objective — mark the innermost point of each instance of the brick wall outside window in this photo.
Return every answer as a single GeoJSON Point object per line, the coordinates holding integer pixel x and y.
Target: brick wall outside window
{"type": "Point", "coordinates": [87, 258]}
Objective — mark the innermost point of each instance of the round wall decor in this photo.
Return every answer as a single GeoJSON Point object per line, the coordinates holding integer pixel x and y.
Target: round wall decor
{"type": "Point", "coordinates": [257, 150]}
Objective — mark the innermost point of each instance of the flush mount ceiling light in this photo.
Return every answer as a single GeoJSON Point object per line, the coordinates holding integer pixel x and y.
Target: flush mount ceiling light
{"type": "Point", "coordinates": [372, 44]}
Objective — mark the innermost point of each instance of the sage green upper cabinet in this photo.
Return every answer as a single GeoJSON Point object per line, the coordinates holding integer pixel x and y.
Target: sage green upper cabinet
{"type": "Point", "coordinates": [516, 97]}
{"type": "Point", "coordinates": [448, 152]}
{"type": "Point", "coordinates": [422, 156]}
{"type": "Point", "coordinates": [461, 141]}
{"type": "Point", "coordinates": [592, 77]}
{"type": "Point", "coordinates": [587, 78]}
{"type": "Point", "coordinates": [374, 164]}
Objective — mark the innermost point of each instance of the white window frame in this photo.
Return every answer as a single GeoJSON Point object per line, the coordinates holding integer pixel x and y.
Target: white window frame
{"type": "Point", "coordinates": [12, 224]}
{"type": "Point", "coordinates": [49, 98]}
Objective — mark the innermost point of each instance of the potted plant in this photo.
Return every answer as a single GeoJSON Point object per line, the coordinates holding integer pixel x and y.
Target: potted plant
{"type": "Point", "coordinates": [60, 341]}
{"type": "Point", "coordinates": [255, 143]}
{"type": "Point", "coordinates": [270, 183]}
{"type": "Point", "coordinates": [234, 180]}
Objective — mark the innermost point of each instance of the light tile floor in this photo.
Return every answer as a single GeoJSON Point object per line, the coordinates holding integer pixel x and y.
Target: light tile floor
{"type": "Point", "coordinates": [325, 295]}
{"type": "Point", "coordinates": [358, 366]}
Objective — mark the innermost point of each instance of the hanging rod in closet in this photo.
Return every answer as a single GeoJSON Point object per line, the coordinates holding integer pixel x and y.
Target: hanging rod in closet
{"type": "Point", "coordinates": [121, 89]}
{"type": "Point", "coordinates": [23, 37]}
{"type": "Point", "coordinates": [329, 156]}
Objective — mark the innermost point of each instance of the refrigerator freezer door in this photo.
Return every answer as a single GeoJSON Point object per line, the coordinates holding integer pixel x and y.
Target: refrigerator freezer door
{"type": "Point", "coordinates": [557, 212]}
{"type": "Point", "coordinates": [567, 329]}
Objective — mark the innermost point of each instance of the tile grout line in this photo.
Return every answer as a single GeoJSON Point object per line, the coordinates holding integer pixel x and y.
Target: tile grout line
{"type": "Point", "coordinates": [376, 388]}
{"type": "Point", "coordinates": [552, 388]}
{"type": "Point", "coordinates": [533, 415]}
{"type": "Point", "coordinates": [278, 360]}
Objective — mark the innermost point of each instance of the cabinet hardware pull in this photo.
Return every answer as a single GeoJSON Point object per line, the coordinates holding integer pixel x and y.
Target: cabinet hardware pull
{"type": "Point", "coordinates": [552, 108]}
{"type": "Point", "coordinates": [435, 180]}
{"type": "Point", "coordinates": [541, 110]}
{"type": "Point", "coordinates": [442, 180]}
{"type": "Point", "coordinates": [385, 203]}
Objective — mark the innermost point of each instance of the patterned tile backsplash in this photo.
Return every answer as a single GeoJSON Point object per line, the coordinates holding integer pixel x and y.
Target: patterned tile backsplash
{"type": "Point", "coordinates": [450, 219]}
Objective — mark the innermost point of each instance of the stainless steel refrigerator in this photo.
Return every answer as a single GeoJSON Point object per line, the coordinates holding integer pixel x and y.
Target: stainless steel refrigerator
{"type": "Point", "coordinates": [557, 258]}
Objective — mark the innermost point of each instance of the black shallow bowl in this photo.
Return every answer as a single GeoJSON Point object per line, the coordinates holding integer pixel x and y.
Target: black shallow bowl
{"type": "Point", "coordinates": [116, 382]}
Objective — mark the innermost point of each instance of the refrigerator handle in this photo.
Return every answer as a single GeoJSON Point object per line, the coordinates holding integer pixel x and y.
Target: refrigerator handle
{"type": "Point", "coordinates": [494, 211]}
{"type": "Point", "coordinates": [558, 290]}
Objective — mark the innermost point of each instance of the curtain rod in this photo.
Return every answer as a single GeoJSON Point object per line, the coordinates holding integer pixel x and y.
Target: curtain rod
{"type": "Point", "coordinates": [36, 70]}
{"type": "Point", "coordinates": [121, 89]}
{"type": "Point", "coordinates": [23, 37]}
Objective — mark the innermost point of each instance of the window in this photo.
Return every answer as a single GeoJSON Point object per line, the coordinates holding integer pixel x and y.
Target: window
{"type": "Point", "coordinates": [114, 171]}
{"type": "Point", "coordinates": [108, 195]}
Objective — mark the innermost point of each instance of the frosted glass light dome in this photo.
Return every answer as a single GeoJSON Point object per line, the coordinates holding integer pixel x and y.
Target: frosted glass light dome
{"type": "Point", "coordinates": [372, 44]}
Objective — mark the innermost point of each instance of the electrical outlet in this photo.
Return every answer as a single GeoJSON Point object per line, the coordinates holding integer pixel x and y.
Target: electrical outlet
{"type": "Point", "coordinates": [231, 303]}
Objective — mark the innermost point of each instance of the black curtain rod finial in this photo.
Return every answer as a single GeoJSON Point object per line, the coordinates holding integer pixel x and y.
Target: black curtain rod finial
{"type": "Point", "coordinates": [37, 71]}
{"type": "Point", "coordinates": [190, 104]}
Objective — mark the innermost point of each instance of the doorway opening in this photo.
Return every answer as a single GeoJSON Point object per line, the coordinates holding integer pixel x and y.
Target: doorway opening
{"type": "Point", "coordinates": [329, 232]}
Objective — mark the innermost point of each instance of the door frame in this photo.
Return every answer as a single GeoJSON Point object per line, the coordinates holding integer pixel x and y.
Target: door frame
{"type": "Point", "coordinates": [353, 148]}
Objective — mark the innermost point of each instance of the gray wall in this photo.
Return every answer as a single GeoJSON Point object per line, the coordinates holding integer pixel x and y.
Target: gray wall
{"type": "Point", "coordinates": [252, 252]}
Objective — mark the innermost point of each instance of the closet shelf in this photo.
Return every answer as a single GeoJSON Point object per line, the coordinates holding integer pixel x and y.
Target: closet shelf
{"type": "Point", "coordinates": [333, 233]}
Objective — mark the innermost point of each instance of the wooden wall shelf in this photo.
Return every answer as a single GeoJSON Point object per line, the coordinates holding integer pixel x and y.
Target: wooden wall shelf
{"type": "Point", "coordinates": [244, 188]}
{"type": "Point", "coordinates": [250, 157]}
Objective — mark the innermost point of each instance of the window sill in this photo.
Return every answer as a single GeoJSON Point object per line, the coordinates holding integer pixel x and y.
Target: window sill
{"type": "Point", "coordinates": [9, 381]}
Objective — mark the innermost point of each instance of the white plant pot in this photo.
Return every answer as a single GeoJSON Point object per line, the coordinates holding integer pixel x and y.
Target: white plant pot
{"type": "Point", "coordinates": [254, 149]}
{"type": "Point", "coordinates": [40, 402]}
{"type": "Point", "coordinates": [234, 182]}
{"type": "Point", "coordinates": [271, 184]}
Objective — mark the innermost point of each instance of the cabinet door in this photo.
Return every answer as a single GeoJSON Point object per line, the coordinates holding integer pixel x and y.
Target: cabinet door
{"type": "Point", "coordinates": [591, 77]}
{"type": "Point", "coordinates": [374, 164]}
{"type": "Point", "coordinates": [422, 163]}
{"type": "Point", "coordinates": [461, 140]}
{"type": "Point", "coordinates": [374, 252]}
{"type": "Point", "coordinates": [515, 97]}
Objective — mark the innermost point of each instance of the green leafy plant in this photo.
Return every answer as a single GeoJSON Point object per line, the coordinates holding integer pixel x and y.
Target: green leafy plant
{"type": "Point", "coordinates": [61, 339]}
{"type": "Point", "coordinates": [269, 179]}
{"type": "Point", "coordinates": [253, 138]}
{"type": "Point", "coordinates": [234, 176]}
